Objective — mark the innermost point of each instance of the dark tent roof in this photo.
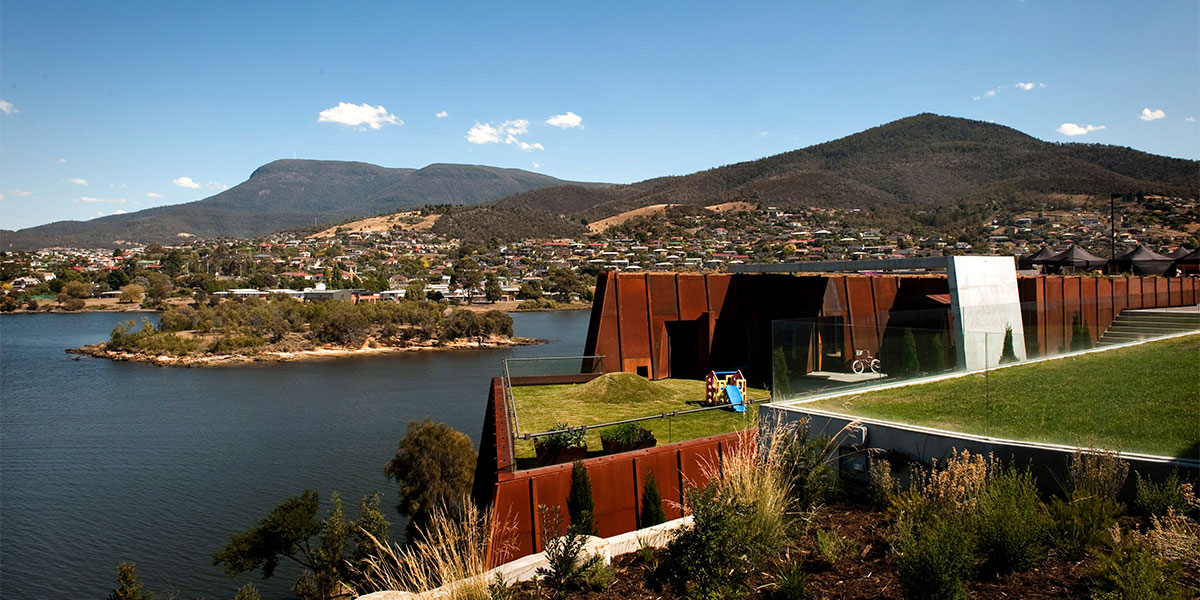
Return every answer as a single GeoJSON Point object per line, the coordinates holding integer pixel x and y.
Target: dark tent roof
{"type": "Point", "coordinates": [1074, 258]}
{"type": "Point", "coordinates": [1191, 259]}
{"type": "Point", "coordinates": [1027, 262]}
{"type": "Point", "coordinates": [1179, 252]}
{"type": "Point", "coordinates": [1142, 261]}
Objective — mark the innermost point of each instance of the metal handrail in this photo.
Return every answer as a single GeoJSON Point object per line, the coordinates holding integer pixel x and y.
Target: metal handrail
{"type": "Point", "coordinates": [510, 402]}
{"type": "Point", "coordinates": [584, 428]}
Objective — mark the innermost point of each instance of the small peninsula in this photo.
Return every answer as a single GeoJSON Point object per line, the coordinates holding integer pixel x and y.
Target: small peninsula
{"type": "Point", "coordinates": [282, 329]}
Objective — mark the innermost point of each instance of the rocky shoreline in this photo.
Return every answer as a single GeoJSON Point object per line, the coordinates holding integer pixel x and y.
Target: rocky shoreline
{"type": "Point", "coordinates": [268, 355]}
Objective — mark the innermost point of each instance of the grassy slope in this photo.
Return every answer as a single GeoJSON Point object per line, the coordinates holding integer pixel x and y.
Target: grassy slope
{"type": "Point", "coordinates": [1140, 399]}
{"type": "Point", "coordinates": [624, 396]}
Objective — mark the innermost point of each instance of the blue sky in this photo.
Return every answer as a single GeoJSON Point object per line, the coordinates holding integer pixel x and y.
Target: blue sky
{"type": "Point", "coordinates": [111, 107]}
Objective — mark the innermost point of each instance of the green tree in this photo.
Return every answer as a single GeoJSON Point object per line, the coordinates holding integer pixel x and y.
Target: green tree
{"type": "Point", "coordinates": [117, 279]}
{"type": "Point", "coordinates": [128, 586]}
{"type": "Point", "coordinates": [563, 283]}
{"type": "Point", "coordinates": [289, 532]}
{"type": "Point", "coordinates": [652, 510]}
{"type": "Point", "coordinates": [435, 467]}
{"type": "Point", "coordinates": [468, 275]}
{"type": "Point", "coordinates": [529, 290]}
{"type": "Point", "coordinates": [415, 290]}
{"type": "Point", "coordinates": [78, 289]}
{"type": "Point", "coordinates": [581, 506]}
{"type": "Point", "coordinates": [491, 288]}
{"type": "Point", "coordinates": [937, 355]}
{"type": "Point", "coordinates": [1007, 354]}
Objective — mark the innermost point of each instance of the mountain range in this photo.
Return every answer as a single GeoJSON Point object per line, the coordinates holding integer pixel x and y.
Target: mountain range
{"type": "Point", "coordinates": [925, 169]}
{"type": "Point", "coordinates": [289, 194]}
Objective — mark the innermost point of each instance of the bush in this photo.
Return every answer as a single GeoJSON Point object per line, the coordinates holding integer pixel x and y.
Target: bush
{"type": "Point", "coordinates": [537, 304]}
{"type": "Point", "coordinates": [1012, 526]}
{"type": "Point", "coordinates": [341, 324]}
{"type": "Point", "coordinates": [791, 582]}
{"type": "Point", "coordinates": [652, 510]}
{"type": "Point", "coordinates": [1080, 522]}
{"type": "Point", "coordinates": [1155, 500]}
{"type": "Point", "coordinates": [807, 462]}
{"type": "Point", "coordinates": [711, 558]}
{"type": "Point", "coordinates": [581, 506]}
{"type": "Point", "coordinates": [935, 559]}
{"type": "Point", "coordinates": [626, 434]}
{"type": "Point", "coordinates": [231, 344]}
{"type": "Point", "coordinates": [910, 364]}
{"type": "Point", "coordinates": [834, 548]}
{"type": "Point", "coordinates": [1131, 572]}
{"type": "Point", "coordinates": [568, 569]}
{"type": "Point", "coordinates": [565, 438]}
{"type": "Point", "coordinates": [131, 293]}
{"type": "Point", "coordinates": [74, 304]}
{"type": "Point", "coordinates": [1007, 354]}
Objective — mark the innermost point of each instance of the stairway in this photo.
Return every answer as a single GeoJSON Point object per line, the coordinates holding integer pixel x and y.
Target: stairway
{"type": "Point", "coordinates": [1145, 323]}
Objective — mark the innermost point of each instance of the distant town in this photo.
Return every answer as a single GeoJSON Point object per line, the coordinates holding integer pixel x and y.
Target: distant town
{"type": "Point", "coordinates": [392, 256]}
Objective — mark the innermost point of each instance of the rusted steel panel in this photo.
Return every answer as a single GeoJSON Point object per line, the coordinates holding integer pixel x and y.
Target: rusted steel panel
{"type": "Point", "coordinates": [550, 488]}
{"type": "Point", "coordinates": [860, 298]}
{"type": "Point", "coordinates": [1104, 305]}
{"type": "Point", "coordinates": [1136, 300]}
{"type": "Point", "coordinates": [1088, 305]}
{"type": "Point", "coordinates": [698, 461]}
{"type": "Point", "coordinates": [615, 492]}
{"type": "Point", "coordinates": [693, 296]}
{"type": "Point", "coordinates": [634, 323]}
{"type": "Point", "coordinates": [1071, 305]}
{"type": "Point", "coordinates": [1056, 340]}
{"type": "Point", "coordinates": [718, 289]}
{"type": "Point", "coordinates": [886, 289]}
{"type": "Point", "coordinates": [1189, 291]}
{"type": "Point", "coordinates": [1162, 296]}
{"type": "Point", "coordinates": [664, 306]}
{"type": "Point", "coordinates": [664, 463]}
{"type": "Point", "coordinates": [603, 337]}
{"type": "Point", "coordinates": [1120, 295]}
{"type": "Point", "coordinates": [512, 522]}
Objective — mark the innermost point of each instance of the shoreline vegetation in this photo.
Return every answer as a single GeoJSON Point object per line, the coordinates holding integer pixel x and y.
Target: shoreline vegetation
{"type": "Point", "coordinates": [282, 329]}
{"type": "Point", "coordinates": [112, 305]}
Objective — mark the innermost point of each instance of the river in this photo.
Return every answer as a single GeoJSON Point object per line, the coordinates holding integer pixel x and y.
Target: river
{"type": "Point", "coordinates": [102, 462]}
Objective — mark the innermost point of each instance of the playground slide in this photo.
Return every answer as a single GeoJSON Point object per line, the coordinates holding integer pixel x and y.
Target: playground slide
{"type": "Point", "coordinates": [735, 398]}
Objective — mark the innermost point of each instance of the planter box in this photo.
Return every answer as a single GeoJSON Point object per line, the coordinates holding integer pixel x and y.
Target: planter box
{"type": "Point", "coordinates": [616, 447]}
{"type": "Point", "coordinates": [554, 456]}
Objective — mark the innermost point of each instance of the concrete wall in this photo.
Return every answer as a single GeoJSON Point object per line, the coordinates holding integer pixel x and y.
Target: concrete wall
{"type": "Point", "coordinates": [984, 302]}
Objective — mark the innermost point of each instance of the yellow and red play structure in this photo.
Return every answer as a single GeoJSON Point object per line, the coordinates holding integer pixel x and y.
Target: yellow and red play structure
{"type": "Point", "coordinates": [726, 387]}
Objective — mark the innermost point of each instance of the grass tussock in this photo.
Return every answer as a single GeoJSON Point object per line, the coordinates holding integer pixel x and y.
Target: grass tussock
{"type": "Point", "coordinates": [452, 554]}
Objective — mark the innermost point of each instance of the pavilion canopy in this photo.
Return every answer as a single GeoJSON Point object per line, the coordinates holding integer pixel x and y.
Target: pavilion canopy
{"type": "Point", "coordinates": [1073, 258]}
{"type": "Point", "coordinates": [1141, 261]}
{"type": "Point", "coordinates": [1029, 261]}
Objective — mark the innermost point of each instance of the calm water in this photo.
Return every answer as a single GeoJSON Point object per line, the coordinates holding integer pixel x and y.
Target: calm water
{"type": "Point", "coordinates": [102, 461]}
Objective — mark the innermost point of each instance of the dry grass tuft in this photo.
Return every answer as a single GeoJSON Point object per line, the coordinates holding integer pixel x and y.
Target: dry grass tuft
{"type": "Point", "coordinates": [452, 555]}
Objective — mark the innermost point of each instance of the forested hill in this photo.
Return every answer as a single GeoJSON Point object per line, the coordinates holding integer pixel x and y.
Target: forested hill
{"type": "Point", "coordinates": [942, 172]}
{"type": "Point", "coordinates": [289, 194]}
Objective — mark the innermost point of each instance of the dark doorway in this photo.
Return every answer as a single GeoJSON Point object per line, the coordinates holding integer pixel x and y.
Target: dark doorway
{"type": "Point", "coordinates": [686, 344]}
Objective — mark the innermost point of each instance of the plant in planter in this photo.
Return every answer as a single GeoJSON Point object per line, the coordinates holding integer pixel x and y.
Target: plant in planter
{"type": "Point", "coordinates": [565, 446]}
{"type": "Point", "coordinates": [626, 437]}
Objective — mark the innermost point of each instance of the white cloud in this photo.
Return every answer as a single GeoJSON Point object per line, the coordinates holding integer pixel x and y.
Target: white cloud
{"type": "Point", "coordinates": [566, 121]}
{"type": "Point", "coordinates": [536, 165]}
{"type": "Point", "coordinates": [990, 93]}
{"type": "Point", "coordinates": [506, 132]}
{"type": "Point", "coordinates": [92, 200]}
{"type": "Point", "coordinates": [216, 185]}
{"type": "Point", "coordinates": [1073, 129]}
{"type": "Point", "coordinates": [763, 134]}
{"type": "Point", "coordinates": [7, 107]}
{"type": "Point", "coordinates": [78, 181]}
{"type": "Point", "coordinates": [185, 182]}
{"type": "Point", "coordinates": [20, 193]}
{"type": "Point", "coordinates": [358, 115]}
{"type": "Point", "coordinates": [1026, 86]}
{"type": "Point", "coordinates": [442, 114]}
{"type": "Point", "coordinates": [154, 195]}
{"type": "Point", "coordinates": [118, 212]}
{"type": "Point", "coordinates": [118, 186]}
{"type": "Point", "coordinates": [976, 97]}
{"type": "Point", "coordinates": [483, 133]}
{"type": "Point", "coordinates": [62, 161]}
{"type": "Point", "coordinates": [1190, 119]}
{"type": "Point", "coordinates": [1152, 115]}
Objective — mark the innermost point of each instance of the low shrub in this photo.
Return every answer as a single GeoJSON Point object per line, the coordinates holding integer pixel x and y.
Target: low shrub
{"type": "Point", "coordinates": [1080, 522]}
{"type": "Point", "coordinates": [581, 505]}
{"type": "Point", "coordinates": [230, 344]}
{"type": "Point", "coordinates": [1154, 499]}
{"type": "Point", "coordinates": [713, 557]}
{"type": "Point", "coordinates": [1012, 525]}
{"type": "Point", "coordinates": [807, 464]}
{"type": "Point", "coordinates": [935, 559]}
{"type": "Point", "coordinates": [626, 434]}
{"type": "Point", "coordinates": [568, 569]}
{"type": "Point", "coordinates": [834, 548]}
{"type": "Point", "coordinates": [791, 582]}
{"type": "Point", "coordinates": [565, 438]}
{"type": "Point", "coordinates": [1132, 572]}
{"type": "Point", "coordinates": [537, 304]}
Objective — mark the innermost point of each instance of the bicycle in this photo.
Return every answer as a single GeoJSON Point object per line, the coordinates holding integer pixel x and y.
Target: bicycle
{"type": "Point", "coordinates": [863, 360]}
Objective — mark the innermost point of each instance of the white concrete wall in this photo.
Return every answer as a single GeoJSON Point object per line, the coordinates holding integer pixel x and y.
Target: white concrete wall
{"type": "Point", "coordinates": [983, 301]}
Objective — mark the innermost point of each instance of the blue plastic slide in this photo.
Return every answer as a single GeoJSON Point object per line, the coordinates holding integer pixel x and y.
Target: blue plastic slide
{"type": "Point", "coordinates": [735, 398]}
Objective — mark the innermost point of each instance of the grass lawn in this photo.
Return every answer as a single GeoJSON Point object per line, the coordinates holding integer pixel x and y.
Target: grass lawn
{"type": "Point", "coordinates": [618, 396]}
{"type": "Point", "coordinates": [1140, 399]}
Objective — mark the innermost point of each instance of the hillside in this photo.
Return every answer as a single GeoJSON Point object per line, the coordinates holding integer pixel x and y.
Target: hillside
{"type": "Point", "coordinates": [289, 194]}
{"type": "Point", "coordinates": [921, 170]}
